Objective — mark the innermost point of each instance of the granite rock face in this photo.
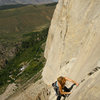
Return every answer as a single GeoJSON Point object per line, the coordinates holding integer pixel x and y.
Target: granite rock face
{"type": "Point", "coordinates": [73, 47]}
{"type": "Point", "coordinates": [35, 91]}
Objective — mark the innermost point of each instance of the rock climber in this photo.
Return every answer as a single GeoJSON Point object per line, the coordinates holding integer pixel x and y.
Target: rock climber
{"type": "Point", "coordinates": [61, 89]}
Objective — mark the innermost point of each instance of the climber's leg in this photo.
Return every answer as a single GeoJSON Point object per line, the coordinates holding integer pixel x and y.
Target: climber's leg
{"type": "Point", "coordinates": [71, 87]}
{"type": "Point", "coordinates": [59, 97]}
{"type": "Point", "coordinates": [66, 89]}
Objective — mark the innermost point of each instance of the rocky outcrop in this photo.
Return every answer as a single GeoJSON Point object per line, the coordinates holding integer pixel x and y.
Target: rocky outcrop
{"type": "Point", "coordinates": [9, 91]}
{"type": "Point", "coordinates": [43, 95]}
{"type": "Point", "coordinates": [7, 52]}
{"type": "Point", "coordinates": [35, 91]}
{"type": "Point", "coordinates": [73, 47]}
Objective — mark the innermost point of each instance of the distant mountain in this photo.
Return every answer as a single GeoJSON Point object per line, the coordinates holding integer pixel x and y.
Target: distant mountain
{"type": "Point", "coordinates": [7, 2]}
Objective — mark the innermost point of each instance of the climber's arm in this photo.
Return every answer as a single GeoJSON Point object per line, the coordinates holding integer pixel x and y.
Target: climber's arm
{"type": "Point", "coordinates": [71, 80]}
{"type": "Point", "coordinates": [62, 92]}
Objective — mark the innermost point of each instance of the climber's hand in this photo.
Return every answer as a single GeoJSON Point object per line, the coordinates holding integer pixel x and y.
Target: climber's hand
{"type": "Point", "coordinates": [77, 84]}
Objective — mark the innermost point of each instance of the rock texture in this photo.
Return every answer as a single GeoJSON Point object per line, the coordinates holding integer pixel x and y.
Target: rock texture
{"type": "Point", "coordinates": [7, 52]}
{"type": "Point", "coordinates": [36, 91]}
{"type": "Point", "coordinates": [73, 47]}
{"type": "Point", "coordinates": [9, 91]}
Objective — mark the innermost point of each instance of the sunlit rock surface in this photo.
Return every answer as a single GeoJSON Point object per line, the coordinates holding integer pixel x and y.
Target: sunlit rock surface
{"type": "Point", "coordinates": [73, 47]}
{"type": "Point", "coordinates": [35, 91]}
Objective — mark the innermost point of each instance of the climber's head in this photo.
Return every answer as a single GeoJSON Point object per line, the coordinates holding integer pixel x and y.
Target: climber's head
{"type": "Point", "coordinates": [61, 80]}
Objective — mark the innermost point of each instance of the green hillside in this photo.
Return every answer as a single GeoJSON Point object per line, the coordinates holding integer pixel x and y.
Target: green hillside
{"type": "Point", "coordinates": [26, 26]}
{"type": "Point", "coordinates": [4, 7]}
{"type": "Point", "coordinates": [27, 62]}
{"type": "Point", "coordinates": [16, 20]}
{"type": "Point", "coordinates": [20, 19]}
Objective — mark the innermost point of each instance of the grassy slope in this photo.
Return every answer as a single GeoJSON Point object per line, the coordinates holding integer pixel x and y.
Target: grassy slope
{"type": "Point", "coordinates": [31, 55]}
{"type": "Point", "coordinates": [4, 7]}
{"type": "Point", "coordinates": [16, 20]}
{"type": "Point", "coordinates": [18, 24]}
{"type": "Point", "coordinates": [19, 20]}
